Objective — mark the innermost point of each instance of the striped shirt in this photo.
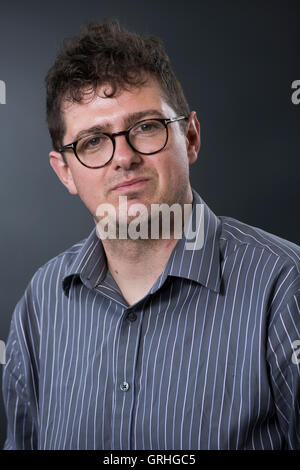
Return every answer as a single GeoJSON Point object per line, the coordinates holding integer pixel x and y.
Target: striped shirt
{"type": "Point", "coordinates": [205, 360]}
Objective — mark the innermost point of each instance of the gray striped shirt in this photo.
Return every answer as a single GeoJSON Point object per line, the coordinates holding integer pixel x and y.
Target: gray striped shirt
{"type": "Point", "coordinates": [203, 361]}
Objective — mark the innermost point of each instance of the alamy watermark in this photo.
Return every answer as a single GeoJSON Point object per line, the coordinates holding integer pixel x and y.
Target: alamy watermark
{"type": "Point", "coordinates": [161, 221]}
{"type": "Point", "coordinates": [2, 352]}
{"type": "Point", "coordinates": [296, 94]}
{"type": "Point", "coordinates": [2, 92]}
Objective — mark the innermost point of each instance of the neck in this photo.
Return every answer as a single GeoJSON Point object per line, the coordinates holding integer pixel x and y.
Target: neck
{"type": "Point", "coordinates": [132, 253]}
{"type": "Point", "coordinates": [135, 264]}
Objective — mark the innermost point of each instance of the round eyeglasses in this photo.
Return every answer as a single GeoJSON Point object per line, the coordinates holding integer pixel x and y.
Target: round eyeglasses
{"type": "Point", "coordinates": [146, 137]}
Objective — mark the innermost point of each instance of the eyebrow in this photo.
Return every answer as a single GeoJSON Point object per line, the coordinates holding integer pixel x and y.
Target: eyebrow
{"type": "Point", "coordinates": [129, 120]}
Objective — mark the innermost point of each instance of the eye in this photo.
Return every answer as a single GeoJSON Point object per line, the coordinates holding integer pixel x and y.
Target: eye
{"type": "Point", "coordinates": [91, 142]}
{"type": "Point", "coordinates": [148, 127]}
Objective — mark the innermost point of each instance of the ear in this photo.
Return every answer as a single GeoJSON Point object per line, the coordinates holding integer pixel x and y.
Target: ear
{"type": "Point", "coordinates": [193, 137]}
{"type": "Point", "coordinates": [63, 171]}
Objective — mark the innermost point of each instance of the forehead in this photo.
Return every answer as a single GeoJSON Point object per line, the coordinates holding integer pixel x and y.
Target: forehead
{"type": "Point", "coordinates": [98, 109]}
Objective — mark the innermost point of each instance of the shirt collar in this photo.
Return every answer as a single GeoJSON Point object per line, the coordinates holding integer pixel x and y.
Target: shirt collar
{"type": "Point", "coordinates": [89, 263]}
{"type": "Point", "coordinates": [200, 265]}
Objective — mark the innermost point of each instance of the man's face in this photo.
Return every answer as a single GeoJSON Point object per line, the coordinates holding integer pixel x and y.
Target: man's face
{"type": "Point", "coordinates": [158, 178]}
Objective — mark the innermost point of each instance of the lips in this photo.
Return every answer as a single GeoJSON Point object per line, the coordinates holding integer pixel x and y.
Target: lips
{"type": "Point", "coordinates": [133, 183]}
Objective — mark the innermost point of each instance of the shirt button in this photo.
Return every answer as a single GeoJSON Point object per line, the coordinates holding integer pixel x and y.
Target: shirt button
{"type": "Point", "coordinates": [124, 386]}
{"type": "Point", "coordinates": [131, 317]}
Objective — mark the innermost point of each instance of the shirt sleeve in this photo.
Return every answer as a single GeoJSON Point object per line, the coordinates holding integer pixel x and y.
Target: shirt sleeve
{"type": "Point", "coordinates": [284, 367]}
{"type": "Point", "coordinates": [20, 380]}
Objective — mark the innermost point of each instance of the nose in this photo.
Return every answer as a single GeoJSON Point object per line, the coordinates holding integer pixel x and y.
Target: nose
{"type": "Point", "coordinates": [125, 157]}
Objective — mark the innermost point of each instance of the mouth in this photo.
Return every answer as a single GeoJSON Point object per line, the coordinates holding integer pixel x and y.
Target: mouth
{"type": "Point", "coordinates": [136, 183]}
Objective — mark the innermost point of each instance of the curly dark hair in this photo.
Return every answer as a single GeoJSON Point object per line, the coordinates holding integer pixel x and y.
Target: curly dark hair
{"type": "Point", "coordinates": [106, 53]}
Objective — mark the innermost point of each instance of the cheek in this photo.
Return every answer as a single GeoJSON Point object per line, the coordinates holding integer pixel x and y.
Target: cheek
{"type": "Point", "coordinates": [89, 188]}
{"type": "Point", "coordinates": [173, 169]}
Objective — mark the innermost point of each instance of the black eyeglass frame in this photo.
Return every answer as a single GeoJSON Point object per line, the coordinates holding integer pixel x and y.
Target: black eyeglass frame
{"type": "Point", "coordinates": [165, 121]}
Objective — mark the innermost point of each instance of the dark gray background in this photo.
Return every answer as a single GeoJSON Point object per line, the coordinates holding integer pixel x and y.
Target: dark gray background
{"type": "Point", "coordinates": [236, 60]}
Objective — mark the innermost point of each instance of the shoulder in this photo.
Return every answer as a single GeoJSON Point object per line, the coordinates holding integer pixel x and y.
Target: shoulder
{"type": "Point", "coordinates": [272, 262]}
{"type": "Point", "coordinates": [60, 264]}
{"type": "Point", "coordinates": [49, 276]}
{"type": "Point", "coordinates": [236, 234]}
{"type": "Point", "coordinates": [45, 282]}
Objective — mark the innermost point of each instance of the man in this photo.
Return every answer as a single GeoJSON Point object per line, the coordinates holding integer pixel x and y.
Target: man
{"type": "Point", "coordinates": [141, 343]}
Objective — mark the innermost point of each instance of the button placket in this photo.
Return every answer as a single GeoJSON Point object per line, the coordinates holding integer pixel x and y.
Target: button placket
{"type": "Point", "coordinates": [126, 357]}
